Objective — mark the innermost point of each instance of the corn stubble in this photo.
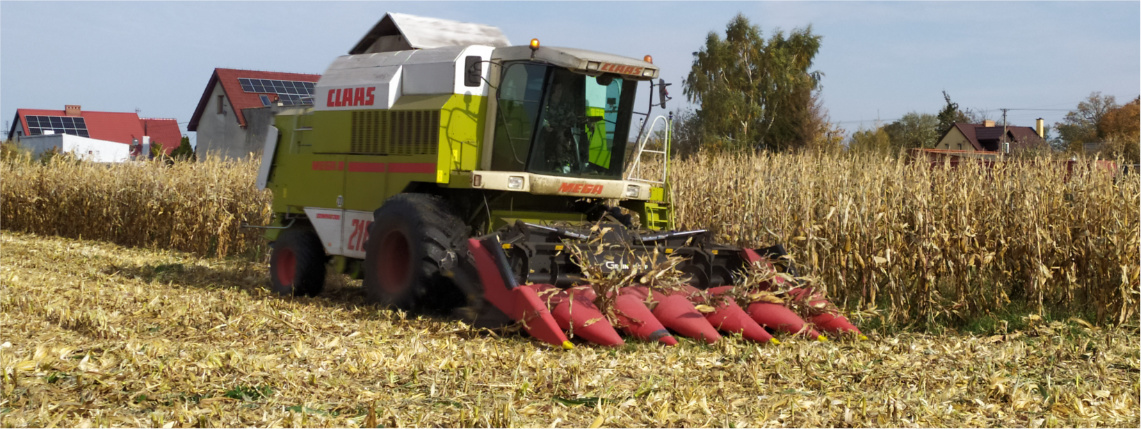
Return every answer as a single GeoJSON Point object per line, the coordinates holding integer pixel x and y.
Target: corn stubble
{"type": "Point", "coordinates": [96, 334]}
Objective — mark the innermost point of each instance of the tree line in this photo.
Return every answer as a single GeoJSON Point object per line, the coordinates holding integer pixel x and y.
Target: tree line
{"type": "Point", "coordinates": [763, 94]}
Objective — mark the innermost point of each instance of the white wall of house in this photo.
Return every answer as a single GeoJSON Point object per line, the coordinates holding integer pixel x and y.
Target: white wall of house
{"type": "Point", "coordinates": [84, 148]}
{"type": "Point", "coordinates": [218, 133]}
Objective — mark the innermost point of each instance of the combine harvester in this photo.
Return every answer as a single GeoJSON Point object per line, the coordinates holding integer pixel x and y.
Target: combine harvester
{"type": "Point", "coordinates": [475, 180]}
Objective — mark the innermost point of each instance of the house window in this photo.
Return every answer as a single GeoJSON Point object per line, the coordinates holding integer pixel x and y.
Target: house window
{"type": "Point", "coordinates": [960, 146]}
{"type": "Point", "coordinates": [221, 104]}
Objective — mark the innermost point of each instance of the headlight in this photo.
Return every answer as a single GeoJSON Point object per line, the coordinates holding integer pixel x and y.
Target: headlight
{"type": "Point", "coordinates": [632, 191]}
{"type": "Point", "coordinates": [648, 72]}
{"type": "Point", "coordinates": [593, 65]}
{"type": "Point", "coordinates": [514, 182]}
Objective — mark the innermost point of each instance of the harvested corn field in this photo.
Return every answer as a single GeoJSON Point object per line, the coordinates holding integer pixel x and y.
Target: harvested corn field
{"type": "Point", "coordinates": [98, 334]}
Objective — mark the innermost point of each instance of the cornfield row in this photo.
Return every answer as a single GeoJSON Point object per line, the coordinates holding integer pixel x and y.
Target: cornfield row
{"type": "Point", "coordinates": [919, 244]}
{"type": "Point", "coordinates": [931, 244]}
{"type": "Point", "coordinates": [193, 207]}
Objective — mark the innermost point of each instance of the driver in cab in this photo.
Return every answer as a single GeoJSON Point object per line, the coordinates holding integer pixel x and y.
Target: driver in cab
{"type": "Point", "coordinates": [559, 122]}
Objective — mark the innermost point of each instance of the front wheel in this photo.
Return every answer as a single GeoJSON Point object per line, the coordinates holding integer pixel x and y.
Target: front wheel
{"type": "Point", "coordinates": [413, 249]}
{"type": "Point", "coordinates": [297, 264]}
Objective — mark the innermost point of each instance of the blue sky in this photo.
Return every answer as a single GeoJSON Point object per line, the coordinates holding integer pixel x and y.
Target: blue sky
{"type": "Point", "coordinates": [880, 60]}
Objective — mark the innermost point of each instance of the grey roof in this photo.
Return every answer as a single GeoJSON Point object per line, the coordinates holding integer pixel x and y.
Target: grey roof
{"type": "Point", "coordinates": [423, 33]}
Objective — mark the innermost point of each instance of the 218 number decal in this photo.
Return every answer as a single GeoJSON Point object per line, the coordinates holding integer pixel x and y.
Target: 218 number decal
{"type": "Point", "coordinates": [359, 237]}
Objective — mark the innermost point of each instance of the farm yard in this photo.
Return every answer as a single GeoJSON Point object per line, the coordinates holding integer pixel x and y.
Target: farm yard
{"type": "Point", "coordinates": [1010, 301]}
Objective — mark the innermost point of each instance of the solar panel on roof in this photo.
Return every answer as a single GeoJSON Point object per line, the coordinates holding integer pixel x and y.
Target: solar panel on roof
{"type": "Point", "coordinates": [289, 92]}
{"type": "Point", "coordinates": [75, 126]}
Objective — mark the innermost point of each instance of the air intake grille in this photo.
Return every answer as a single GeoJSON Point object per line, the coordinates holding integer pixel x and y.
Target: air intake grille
{"type": "Point", "coordinates": [387, 132]}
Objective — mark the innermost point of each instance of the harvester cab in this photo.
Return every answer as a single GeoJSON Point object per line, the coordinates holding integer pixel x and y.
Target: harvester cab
{"type": "Point", "coordinates": [496, 183]}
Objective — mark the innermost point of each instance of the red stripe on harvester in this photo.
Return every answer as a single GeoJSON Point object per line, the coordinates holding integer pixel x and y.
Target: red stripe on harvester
{"type": "Point", "coordinates": [366, 167]}
{"type": "Point", "coordinates": [412, 167]}
{"type": "Point", "coordinates": [326, 165]}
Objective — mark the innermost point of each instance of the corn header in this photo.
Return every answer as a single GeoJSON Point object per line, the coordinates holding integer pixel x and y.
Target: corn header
{"type": "Point", "coordinates": [491, 183]}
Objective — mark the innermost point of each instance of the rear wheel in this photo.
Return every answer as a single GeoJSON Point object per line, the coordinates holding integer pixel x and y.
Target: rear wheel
{"type": "Point", "coordinates": [414, 247]}
{"type": "Point", "coordinates": [297, 264]}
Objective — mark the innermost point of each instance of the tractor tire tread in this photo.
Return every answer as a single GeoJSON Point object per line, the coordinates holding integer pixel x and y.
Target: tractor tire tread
{"type": "Point", "coordinates": [441, 234]}
{"type": "Point", "coordinates": [311, 263]}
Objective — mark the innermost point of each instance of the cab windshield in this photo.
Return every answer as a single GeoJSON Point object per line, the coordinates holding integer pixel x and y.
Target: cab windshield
{"type": "Point", "coordinates": [557, 122]}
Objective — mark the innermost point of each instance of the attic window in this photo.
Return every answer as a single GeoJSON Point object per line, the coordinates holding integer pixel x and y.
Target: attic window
{"type": "Point", "coordinates": [264, 100]}
{"type": "Point", "coordinates": [221, 104]}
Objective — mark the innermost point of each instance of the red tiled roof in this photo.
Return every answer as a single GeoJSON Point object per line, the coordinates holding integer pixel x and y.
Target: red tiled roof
{"type": "Point", "coordinates": [163, 131]}
{"type": "Point", "coordinates": [239, 99]}
{"type": "Point", "coordinates": [119, 127]}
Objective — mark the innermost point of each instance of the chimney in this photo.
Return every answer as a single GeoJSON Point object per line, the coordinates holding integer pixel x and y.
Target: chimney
{"type": "Point", "coordinates": [988, 123]}
{"type": "Point", "coordinates": [1040, 127]}
{"type": "Point", "coordinates": [71, 110]}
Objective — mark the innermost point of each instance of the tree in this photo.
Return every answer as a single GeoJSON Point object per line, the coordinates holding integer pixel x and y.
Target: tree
{"type": "Point", "coordinates": [820, 134]}
{"type": "Point", "coordinates": [1120, 129]}
{"type": "Point", "coordinates": [157, 150]}
{"type": "Point", "coordinates": [874, 140]}
{"type": "Point", "coordinates": [950, 115]}
{"type": "Point", "coordinates": [1080, 126]}
{"type": "Point", "coordinates": [1121, 121]}
{"type": "Point", "coordinates": [913, 130]}
{"type": "Point", "coordinates": [754, 93]}
{"type": "Point", "coordinates": [184, 152]}
{"type": "Point", "coordinates": [686, 137]}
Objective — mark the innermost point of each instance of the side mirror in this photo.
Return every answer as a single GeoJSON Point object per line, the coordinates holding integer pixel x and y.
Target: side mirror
{"type": "Point", "coordinates": [473, 70]}
{"type": "Point", "coordinates": [663, 95]}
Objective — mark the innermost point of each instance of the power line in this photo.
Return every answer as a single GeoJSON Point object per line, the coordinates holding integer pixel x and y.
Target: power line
{"type": "Point", "coordinates": [1035, 110]}
{"type": "Point", "coordinates": [983, 111]}
{"type": "Point", "coordinates": [867, 120]}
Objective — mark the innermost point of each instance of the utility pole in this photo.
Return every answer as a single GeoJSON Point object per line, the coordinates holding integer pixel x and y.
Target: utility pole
{"type": "Point", "coordinates": [1002, 141]}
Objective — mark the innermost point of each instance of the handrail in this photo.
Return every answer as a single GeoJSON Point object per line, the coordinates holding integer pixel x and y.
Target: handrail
{"type": "Point", "coordinates": [664, 153]}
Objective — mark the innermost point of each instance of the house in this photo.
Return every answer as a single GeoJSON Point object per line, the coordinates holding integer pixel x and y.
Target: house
{"type": "Point", "coordinates": [990, 137]}
{"type": "Point", "coordinates": [94, 136]}
{"type": "Point", "coordinates": [237, 107]}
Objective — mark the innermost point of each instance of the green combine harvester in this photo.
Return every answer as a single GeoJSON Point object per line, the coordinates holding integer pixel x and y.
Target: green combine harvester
{"type": "Point", "coordinates": [459, 180]}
